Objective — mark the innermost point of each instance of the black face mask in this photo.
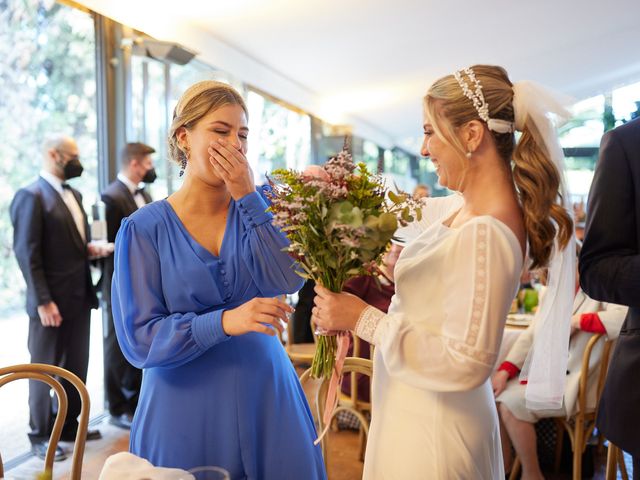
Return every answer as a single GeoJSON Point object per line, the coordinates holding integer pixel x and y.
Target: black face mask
{"type": "Point", "coordinates": [150, 176]}
{"type": "Point", "coordinates": [72, 169]}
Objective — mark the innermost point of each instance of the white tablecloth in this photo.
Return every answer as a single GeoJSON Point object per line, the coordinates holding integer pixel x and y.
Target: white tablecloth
{"type": "Point", "coordinates": [509, 337]}
{"type": "Point", "coordinates": [126, 466]}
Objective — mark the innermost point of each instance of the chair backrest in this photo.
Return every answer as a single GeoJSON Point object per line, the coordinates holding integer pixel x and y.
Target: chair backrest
{"type": "Point", "coordinates": [354, 394]}
{"type": "Point", "coordinates": [47, 374]}
{"type": "Point", "coordinates": [602, 370]}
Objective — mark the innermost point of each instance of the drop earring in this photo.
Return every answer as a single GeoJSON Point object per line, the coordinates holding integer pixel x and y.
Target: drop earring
{"type": "Point", "coordinates": [468, 155]}
{"type": "Point", "coordinates": [183, 163]}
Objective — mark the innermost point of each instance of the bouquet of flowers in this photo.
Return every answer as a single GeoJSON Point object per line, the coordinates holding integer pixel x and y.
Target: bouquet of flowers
{"type": "Point", "coordinates": [339, 219]}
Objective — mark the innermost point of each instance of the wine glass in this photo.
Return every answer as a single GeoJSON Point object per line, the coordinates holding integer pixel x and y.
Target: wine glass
{"type": "Point", "coordinates": [210, 473]}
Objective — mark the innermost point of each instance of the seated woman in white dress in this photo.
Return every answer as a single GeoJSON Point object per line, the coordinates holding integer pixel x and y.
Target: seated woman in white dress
{"type": "Point", "coordinates": [589, 317]}
{"type": "Point", "coordinates": [434, 414]}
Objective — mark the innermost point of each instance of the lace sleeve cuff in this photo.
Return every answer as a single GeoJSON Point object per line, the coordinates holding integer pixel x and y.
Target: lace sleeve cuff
{"type": "Point", "coordinates": [368, 322]}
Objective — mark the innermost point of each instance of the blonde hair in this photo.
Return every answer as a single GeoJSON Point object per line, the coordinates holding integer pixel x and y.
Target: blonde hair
{"type": "Point", "coordinates": [536, 178]}
{"type": "Point", "coordinates": [196, 102]}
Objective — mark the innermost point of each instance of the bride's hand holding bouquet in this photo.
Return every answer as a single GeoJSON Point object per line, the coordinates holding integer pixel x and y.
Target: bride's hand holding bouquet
{"type": "Point", "coordinates": [336, 311]}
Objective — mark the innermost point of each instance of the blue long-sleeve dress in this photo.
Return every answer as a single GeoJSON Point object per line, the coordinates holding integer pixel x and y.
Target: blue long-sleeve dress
{"type": "Point", "coordinates": [207, 398]}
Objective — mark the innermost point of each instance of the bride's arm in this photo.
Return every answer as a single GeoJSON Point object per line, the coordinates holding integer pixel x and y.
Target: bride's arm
{"type": "Point", "coordinates": [478, 281]}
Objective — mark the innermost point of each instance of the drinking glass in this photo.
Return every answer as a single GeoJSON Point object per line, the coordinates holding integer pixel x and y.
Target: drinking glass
{"type": "Point", "coordinates": [530, 299]}
{"type": "Point", "coordinates": [210, 473]}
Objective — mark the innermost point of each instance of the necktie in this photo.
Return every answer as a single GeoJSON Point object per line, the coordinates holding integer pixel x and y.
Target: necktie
{"type": "Point", "coordinates": [139, 191]}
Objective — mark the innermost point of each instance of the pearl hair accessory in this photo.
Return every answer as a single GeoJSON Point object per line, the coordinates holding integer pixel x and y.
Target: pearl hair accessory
{"type": "Point", "coordinates": [477, 98]}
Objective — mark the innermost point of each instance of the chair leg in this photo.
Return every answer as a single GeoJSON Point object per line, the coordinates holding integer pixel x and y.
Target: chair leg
{"type": "Point", "coordinates": [622, 465]}
{"type": "Point", "coordinates": [612, 462]}
{"type": "Point", "coordinates": [515, 469]}
{"type": "Point", "coordinates": [600, 447]}
{"type": "Point", "coordinates": [559, 441]}
{"type": "Point", "coordinates": [362, 438]}
{"type": "Point", "coordinates": [578, 448]}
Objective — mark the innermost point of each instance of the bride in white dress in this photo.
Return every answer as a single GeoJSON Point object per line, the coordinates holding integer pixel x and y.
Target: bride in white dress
{"type": "Point", "coordinates": [434, 415]}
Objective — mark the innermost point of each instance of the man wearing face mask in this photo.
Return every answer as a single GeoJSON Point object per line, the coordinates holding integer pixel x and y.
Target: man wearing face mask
{"type": "Point", "coordinates": [51, 244]}
{"type": "Point", "coordinates": [123, 197]}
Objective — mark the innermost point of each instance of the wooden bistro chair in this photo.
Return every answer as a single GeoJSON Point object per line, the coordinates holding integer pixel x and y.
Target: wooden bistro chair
{"type": "Point", "coordinates": [615, 460]}
{"type": "Point", "coordinates": [47, 374]}
{"type": "Point", "coordinates": [352, 400]}
{"type": "Point", "coordinates": [351, 403]}
{"type": "Point", "coordinates": [581, 425]}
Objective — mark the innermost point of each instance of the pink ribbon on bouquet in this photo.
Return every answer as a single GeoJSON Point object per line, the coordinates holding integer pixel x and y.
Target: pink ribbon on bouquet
{"type": "Point", "coordinates": [336, 379]}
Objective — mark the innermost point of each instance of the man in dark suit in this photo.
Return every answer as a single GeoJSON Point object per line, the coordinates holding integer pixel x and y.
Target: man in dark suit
{"type": "Point", "coordinates": [610, 271]}
{"type": "Point", "coordinates": [51, 243]}
{"type": "Point", "coordinates": [122, 198]}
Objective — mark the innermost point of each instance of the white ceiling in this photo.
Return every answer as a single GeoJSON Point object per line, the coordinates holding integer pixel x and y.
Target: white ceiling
{"type": "Point", "coordinates": [369, 62]}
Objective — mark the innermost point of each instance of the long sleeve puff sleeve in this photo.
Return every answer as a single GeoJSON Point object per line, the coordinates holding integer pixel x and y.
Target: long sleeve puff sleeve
{"type": "Point", "coordinates": [263, 244]}
{"type": "Point", "coordinates": [148, 333]}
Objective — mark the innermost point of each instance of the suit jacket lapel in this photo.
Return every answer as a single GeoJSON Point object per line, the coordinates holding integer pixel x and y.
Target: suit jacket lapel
{"type": "Point", "coordinates": [127, 197]}
{"type": "Point", "coordinates": [87, 228]}
{"type": "Point", "coordinates": [52, 196]}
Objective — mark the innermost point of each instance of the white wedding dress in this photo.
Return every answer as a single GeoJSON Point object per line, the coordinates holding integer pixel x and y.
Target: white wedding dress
{"type": "Point", "coordinates": [434, 414]}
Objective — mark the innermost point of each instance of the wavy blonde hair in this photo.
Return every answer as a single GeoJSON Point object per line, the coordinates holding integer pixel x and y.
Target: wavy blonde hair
{"type": "Point", "coordinates": [536, 178]}
{"type": "Point", "coordinates": [196, 102]}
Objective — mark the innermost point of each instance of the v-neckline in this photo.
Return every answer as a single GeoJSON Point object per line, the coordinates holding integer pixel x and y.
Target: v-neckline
{"type": "Point", "coordinates": [204, 253]}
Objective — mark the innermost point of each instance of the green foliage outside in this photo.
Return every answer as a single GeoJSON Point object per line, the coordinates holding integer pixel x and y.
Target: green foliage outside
{"type": "Point", "coordinates": [48, 85]}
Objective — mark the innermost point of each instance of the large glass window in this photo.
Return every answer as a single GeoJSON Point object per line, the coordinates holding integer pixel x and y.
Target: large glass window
{"type": "Point", "coordinates": [371, 155]}
{"type": "Point", "coordinates": [278, 137]}
{"type": "Point", "coordinates": [149, 116]}
{"type": "Point", "coordinates": [397, 170]}
{"type": "Point", "coordinates": [48, 85]}
{"type": "Point", "coordinates": [580, 137]}
{"type": "Point", "coordinates": [626, 103]}
{"type": "Point", "coordinates": [156, 87]}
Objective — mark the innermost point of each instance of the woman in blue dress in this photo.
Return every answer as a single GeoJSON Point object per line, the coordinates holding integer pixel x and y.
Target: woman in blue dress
{"type": "Point", "coordinates": [194, 305]}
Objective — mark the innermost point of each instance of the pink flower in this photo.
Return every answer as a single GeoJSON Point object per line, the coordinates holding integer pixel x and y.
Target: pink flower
{"type": "Point", "coordinates": [316, 172]}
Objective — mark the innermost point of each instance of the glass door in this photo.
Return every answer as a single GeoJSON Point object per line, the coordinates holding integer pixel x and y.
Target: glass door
{"type": "Point", "coordinates": [48, 80]}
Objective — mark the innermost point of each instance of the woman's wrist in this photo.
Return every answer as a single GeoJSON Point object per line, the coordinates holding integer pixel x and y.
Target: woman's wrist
{"type": "Point", "coordinates": [367, 323]}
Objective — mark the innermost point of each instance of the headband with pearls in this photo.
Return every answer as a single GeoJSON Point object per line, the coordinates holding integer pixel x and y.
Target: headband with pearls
{"type": "Point", "coordinates": [477, 98]}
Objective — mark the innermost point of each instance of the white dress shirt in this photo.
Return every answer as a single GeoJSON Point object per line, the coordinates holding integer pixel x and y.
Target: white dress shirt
{"type": "Point", "coordinates": [133, 188]}
{"type": "Point", "coordinates": [70, 201]}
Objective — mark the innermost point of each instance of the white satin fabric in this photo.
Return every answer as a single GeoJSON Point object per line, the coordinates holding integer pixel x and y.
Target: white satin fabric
{"type": "Point", "coordinates": [434, 414]}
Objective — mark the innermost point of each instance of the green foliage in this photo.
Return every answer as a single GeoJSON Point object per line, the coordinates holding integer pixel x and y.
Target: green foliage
{"type": "Point", "coordinates": [339, 219]}
{"type": "Point", "coordinates": [47, 77]}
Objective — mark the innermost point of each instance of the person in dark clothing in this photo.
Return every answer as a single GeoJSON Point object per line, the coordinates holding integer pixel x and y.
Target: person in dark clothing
{"type": "Point", "coordinates": [610, 272]}
{"type": "Point", "coordinates": [123, 197]}
{"type": "Point", "coordinates": [51, 241]}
